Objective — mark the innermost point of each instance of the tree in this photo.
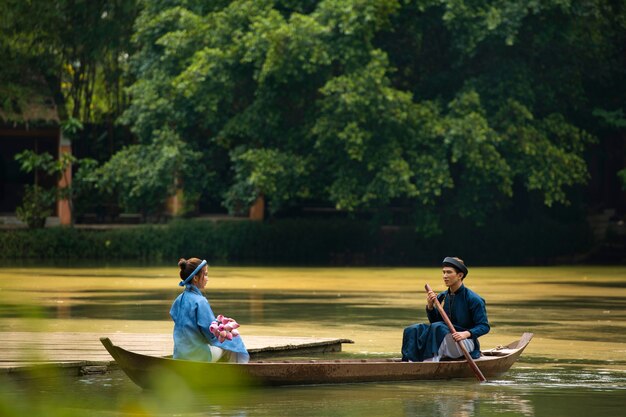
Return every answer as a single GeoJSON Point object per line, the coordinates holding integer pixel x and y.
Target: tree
{"type": "Point", "coordinates": [616, 122]}
{"type": "Point", "coordinates": [71, 51]}
{"type": "Point", "coordinates": [38, 201]}
{"type": "Point", "coordinates": [446, 108]}
{"type": "Point", "coordinates": [142, 177]}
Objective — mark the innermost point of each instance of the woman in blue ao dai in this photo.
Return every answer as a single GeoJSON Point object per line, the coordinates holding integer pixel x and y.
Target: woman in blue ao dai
{"type": "Point", "coordinates": [192, 315]}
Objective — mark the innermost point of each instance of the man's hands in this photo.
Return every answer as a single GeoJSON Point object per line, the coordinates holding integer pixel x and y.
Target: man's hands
{"type": "Point", "coordinates": [458, 336]}
{"type": "Point", "coordinates": [430, 299]}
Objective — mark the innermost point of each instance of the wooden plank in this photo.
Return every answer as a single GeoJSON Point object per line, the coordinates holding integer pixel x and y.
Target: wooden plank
{"type": "Point", "coordinates": [21, 350]}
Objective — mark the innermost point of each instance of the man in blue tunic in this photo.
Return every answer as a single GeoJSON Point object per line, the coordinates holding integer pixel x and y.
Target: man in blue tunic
{"type": "Point", "coordinates": [465, 309]}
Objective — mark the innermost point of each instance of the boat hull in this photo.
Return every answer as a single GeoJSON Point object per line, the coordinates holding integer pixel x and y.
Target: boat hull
{"type": "Point", "coordinates": [146, 371]}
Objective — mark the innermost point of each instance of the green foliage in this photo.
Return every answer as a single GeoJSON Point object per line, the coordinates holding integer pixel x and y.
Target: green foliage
{"type": "Point", "coordinates": [546, 154]}
{"type": "Point", "coordinates": [37, 202]}
{"type": "Point", "coordinates": [72, 52]}
{"type": "Point", "coordinates": [36, 205]}
{"type": "Point", "coordinates": [622, 176]}
{"type": "Point", "coordinates": [614, 120]}
{"type": "Point", "coordinates": [375, 142]}
{"type": "Point", "coordinates": [85, 192]}
{"type": "Point", "coordinates": [267, 171]}
{"type": "Point", "coordinates": [305, 242]}
{"type": "Point", "coordinates": [143, 176]}
{"type": "Point", "coordinates": [439, 107]}
{"type": "Point", "coordinates": [71, 128]}
{"type": "Point", "coordinates": [31, 161]}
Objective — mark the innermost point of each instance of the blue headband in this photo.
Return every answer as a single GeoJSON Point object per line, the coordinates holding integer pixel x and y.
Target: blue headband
{"type": "Point", "coordinates": [456, 264]}
{"type": "Point", "coordinates": [193, 274]}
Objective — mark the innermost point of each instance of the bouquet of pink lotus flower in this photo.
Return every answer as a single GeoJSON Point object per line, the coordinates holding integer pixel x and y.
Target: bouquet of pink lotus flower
{"type": "Point", "coordinates": [224, 328]}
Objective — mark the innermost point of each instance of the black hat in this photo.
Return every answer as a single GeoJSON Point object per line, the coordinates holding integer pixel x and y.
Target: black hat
{"type": "Point", "coordinates": [459, 266]}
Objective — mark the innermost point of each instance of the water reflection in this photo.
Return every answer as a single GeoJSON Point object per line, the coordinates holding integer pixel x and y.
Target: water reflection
{"type": "Point", "coordinates": [251, 307]}
{"type": "Point", "coordinates": [257, 306]}
{"type": "Point", "coordinates": [523, 392]}
{"type": "Point", "coordinates": [434, 399]}
{"type": "Point", "coordinates": [471, 405]}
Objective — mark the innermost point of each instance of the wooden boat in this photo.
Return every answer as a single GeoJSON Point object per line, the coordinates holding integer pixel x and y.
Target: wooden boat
{"type": "Point", "coordinates": [149, 371]}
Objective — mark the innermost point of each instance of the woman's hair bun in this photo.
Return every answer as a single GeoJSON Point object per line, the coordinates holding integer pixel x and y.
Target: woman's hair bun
{"type": "Point", "coordinates": [182, 263]}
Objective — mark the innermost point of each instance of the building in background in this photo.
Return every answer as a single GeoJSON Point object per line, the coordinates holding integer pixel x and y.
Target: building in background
{"type": "Point", "coordinates": [32, 125]}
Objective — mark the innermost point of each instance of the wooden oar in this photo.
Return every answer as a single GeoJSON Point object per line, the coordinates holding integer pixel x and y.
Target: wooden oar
{"type": "Point", "coordinates": [470, 360]}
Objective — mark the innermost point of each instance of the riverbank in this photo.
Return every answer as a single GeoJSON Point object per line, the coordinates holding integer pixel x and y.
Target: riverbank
{"type": "Point", "coordinates": [307, 242]}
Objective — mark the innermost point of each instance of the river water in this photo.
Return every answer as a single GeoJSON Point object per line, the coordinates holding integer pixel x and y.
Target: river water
{"type": "Point", "coordinates": [575, 365]}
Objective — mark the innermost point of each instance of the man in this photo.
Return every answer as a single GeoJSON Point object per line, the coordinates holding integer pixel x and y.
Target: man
{"type": "Point", "coordinates": [465, 309]}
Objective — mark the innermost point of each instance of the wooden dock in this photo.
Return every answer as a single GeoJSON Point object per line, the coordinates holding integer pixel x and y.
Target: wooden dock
{"type": "Point", "coordinates": [82, 353]}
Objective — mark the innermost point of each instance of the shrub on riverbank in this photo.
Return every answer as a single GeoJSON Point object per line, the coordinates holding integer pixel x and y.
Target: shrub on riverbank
{"type": "Point", "coordinates": [302, 242]}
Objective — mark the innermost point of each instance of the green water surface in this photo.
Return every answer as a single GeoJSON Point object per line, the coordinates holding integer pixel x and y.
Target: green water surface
{"type": "Point", "coordinates": [575, 365]}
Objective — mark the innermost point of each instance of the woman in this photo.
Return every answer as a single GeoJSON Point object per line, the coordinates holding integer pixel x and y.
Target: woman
{"type": "Point", "coordinates": [192, 317]}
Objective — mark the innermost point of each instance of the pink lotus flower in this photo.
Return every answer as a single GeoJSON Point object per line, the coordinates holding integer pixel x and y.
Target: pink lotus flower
{"type": "Point", "coordinates": [224, 328]}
